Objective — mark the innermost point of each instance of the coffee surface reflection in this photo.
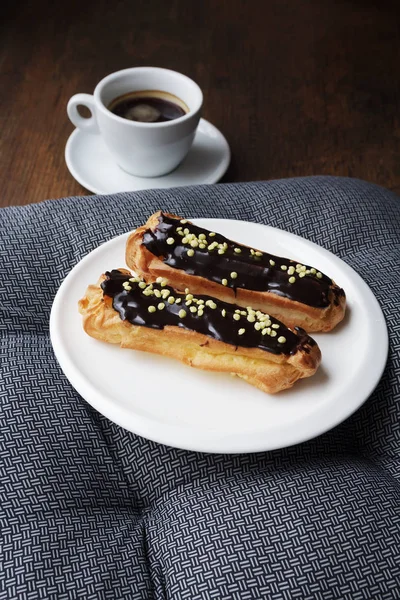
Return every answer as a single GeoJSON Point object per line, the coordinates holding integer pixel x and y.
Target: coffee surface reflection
{"type": "Point", "coordinates": [148, 106]}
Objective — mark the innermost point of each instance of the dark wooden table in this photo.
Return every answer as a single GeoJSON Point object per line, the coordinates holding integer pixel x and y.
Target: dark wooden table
{"type": "Point", "coordinates": [299, 87]}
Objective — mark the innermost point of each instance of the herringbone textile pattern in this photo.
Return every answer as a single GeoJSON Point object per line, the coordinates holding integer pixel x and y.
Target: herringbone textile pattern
{"type": "Point", "coordinates": [91, 511]}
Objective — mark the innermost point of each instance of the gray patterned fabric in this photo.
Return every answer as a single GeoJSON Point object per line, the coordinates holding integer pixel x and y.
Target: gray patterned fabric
{"type": "Point", "coordinates": [89, 510]}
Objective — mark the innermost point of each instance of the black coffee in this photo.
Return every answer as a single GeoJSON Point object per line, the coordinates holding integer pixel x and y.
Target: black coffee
{"type": "Point", "coordinates": [148, 106]}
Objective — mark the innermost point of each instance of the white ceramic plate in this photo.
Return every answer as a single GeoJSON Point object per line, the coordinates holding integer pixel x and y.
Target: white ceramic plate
{"type": "Point", "coordinates": [170, 403]}
{"type": "Point", "coordinates": [89, 161]}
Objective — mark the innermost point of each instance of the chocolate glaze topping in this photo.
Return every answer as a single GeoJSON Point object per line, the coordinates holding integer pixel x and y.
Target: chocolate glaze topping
{"type": "Point", "coordinates": [150, 305]}
{"type": "Point", "coordinates": [214, 257]}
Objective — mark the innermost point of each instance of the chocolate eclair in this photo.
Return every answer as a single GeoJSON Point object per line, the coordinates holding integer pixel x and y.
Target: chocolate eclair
{"type": "Point", "coordinates": [198, 330]}
{"type": "Point", "coordinates": [186, 255]}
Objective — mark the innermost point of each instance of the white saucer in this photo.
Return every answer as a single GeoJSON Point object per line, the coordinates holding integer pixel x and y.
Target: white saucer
{"type": "Point", "coordinates": [89, 161]}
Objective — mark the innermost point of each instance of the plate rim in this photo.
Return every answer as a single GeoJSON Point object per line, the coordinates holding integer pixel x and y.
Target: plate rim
{"type": "Point", "coordinates": [220, 172]}
{"type": "Point", "coordinates": [180, 436]}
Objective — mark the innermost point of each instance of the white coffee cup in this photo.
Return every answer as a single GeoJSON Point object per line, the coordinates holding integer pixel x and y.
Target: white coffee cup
{"type": "Point", "coordinates": [141, 149]}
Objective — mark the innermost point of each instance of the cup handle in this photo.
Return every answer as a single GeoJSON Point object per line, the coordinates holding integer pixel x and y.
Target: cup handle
{"type": "Point", "coordinates": [86, 124]}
